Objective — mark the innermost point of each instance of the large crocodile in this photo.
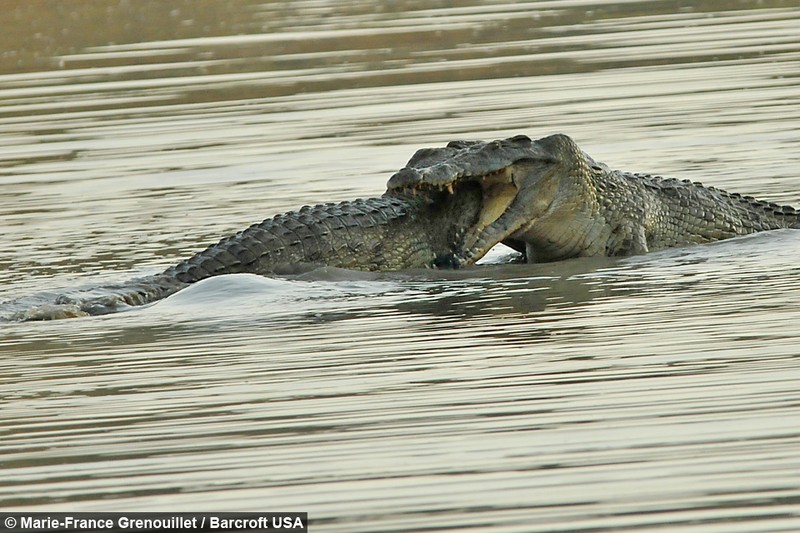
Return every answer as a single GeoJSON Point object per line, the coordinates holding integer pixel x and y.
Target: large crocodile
{"type": "Point", "coordinates": [406, 227]}
{"type": "Point", "coordinates": [573, 206]}
{"type": "Point", "coordinates": [448, 206]}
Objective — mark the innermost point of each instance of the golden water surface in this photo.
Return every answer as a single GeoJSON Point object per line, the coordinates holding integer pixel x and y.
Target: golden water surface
{"type": "Point", "coordinates": [654, 392]}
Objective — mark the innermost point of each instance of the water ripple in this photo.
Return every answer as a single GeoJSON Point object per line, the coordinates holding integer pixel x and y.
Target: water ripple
{"type": "Point", "coordinates": [649, 392]}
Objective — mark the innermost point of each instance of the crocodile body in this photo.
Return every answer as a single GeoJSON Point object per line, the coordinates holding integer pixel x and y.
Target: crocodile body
{"type": "Point", "coordinates": [596, 211]}
{"type": "Point", "coordinates": [399, 230]}
{"type": "Point", "coordinates": [448, 206]}
{"type": "Point", "coordinates": [384, 233]}
{"type": "Point", "coordinates": [573, 206]}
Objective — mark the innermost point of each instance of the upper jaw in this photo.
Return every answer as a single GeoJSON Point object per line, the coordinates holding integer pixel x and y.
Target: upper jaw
{"type": "Point", "coordinates": [463, 160]}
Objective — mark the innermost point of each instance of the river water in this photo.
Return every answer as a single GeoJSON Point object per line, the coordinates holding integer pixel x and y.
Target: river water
{"type": "Point", "coordinates": [657, 392]}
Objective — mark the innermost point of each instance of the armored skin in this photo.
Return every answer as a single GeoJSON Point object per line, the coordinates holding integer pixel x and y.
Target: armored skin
{"type": "Point", "coordinates": [402, 229]}
{"type": "Point", "coordinates": [448, 206]}
{"type": "Point", "coordinates": [568, 205]}
{"type": "Point", "coordinates": [596, 211]}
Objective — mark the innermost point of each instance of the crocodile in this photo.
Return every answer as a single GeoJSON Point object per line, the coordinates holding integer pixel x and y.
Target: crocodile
{"type": "Point", "coordinates": [449, 205]}
{"type": "Point", "coordinates": [572, 206]}
{"type": "Point", "coordinates": [406, 227]}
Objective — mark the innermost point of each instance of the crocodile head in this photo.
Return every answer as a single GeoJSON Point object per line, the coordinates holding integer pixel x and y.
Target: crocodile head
{"type": "Point", "coordinates": [519, 179]}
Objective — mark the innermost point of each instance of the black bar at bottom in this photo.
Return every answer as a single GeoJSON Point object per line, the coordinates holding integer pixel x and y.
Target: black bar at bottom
{"type": "Point", "coordinates": [142, 522]}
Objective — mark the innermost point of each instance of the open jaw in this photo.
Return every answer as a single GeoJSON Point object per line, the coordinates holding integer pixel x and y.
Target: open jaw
{"type": "Point", "coordinates": [518, 178]}
{"type": "Point", "coordinates": [492, 223]}
{"type": "Point", "coordinates": [492, 226]}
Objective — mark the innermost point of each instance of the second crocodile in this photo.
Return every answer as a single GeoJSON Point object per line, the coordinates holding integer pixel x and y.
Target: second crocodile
{"type": "Point", "coordinates": [572, 206]}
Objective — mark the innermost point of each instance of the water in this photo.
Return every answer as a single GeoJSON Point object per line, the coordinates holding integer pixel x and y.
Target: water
{"type": "Point", "coordinates": [654, 392]}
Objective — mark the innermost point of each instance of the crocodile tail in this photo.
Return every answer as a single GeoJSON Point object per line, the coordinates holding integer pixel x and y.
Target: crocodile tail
{"type": "Point", "coordinates": [103, 300]}
{"type": "Point", "coordinates": [136, 292]}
